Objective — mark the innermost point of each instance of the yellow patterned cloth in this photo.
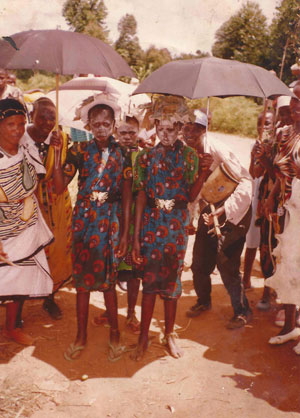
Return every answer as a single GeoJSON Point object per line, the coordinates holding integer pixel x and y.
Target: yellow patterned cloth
{"type": "Point", "coordinates": [57, 212]}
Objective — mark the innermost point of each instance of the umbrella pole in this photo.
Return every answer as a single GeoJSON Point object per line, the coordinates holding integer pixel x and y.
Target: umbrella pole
{"type": "Point", "coordinates": [261, 130]}
{"type": "Point", "coordinates": [56, 152]}
{"type": "Point", "coordinates": [207, 112]}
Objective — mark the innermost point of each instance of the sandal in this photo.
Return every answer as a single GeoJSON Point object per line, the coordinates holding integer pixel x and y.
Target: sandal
{"type": "Point", "coordinates": [73, 352]}
{"type": "Point", "coordinates": [236, 322]}
{"type": "Point", "coordinates": [133, 324]}
{"type": "Point", "coordinates": [115, 353]}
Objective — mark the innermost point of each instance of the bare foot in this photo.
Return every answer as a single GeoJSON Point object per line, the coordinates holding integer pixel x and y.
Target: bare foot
{"type": "Point", "coordinates": [175, 351]}
{"type": "Point", "coordinates": [140, 349]}
{"type": "Point", "coordinates": [286, 330]}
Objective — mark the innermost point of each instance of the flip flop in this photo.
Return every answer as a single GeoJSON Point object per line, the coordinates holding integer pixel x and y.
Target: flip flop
{"type": "Point", "coordinates": [73, 352]}
{"type": "Point", "coordinates": [115, 353]}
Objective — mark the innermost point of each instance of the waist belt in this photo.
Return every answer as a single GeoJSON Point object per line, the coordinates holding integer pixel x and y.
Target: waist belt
{"type": "Point", "coordinates": [166, 204]}
{"type": "Point", "coordinates": [102, 197]}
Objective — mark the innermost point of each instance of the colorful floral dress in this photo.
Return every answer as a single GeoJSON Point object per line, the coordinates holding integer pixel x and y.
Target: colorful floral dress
{"type": "Point", "coordinates": [96, 224]}
{"type": "Point", "coordinates": [164, 173]}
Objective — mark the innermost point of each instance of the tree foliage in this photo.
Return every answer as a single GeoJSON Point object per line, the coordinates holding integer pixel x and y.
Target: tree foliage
{"type": "Point", "coordinates": [185, 56]}
{"type": "Point", "coordinates": [127, 44]}
{"type": "Point", "coordinates": [87, 16]}
{"type": "Point", "coordinates": [284, 46]}
{"type": "Point", "coordinates": [244, 37]}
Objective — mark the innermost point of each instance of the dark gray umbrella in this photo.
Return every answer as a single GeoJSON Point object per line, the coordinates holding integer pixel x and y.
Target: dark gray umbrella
{"type": "Point", "coordinates": [62, 52]}
{"type": "Point", "coordinates": [207, 77]}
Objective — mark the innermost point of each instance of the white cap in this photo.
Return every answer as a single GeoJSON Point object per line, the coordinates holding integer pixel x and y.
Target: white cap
{"type": "Point", "coordinates": [283, 101]}
{"type": "Point", "coordinates": [200, 117]}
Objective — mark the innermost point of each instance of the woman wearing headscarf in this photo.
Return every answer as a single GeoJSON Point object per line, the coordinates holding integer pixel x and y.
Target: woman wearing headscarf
{"type": "Point", "coordinates": [100, 239]}
{"type": "Point", "coordinates": [163, 178]}
{"type": "Point", "coordinates": [23, 232]}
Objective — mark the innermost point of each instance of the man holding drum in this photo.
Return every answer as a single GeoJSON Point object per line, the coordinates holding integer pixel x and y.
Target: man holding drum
{"type": "Point", "coordinates": [228, 191]}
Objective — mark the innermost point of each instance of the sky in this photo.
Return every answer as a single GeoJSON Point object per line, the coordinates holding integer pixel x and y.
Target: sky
{"type": "Point", "coordinates": [179, 25]}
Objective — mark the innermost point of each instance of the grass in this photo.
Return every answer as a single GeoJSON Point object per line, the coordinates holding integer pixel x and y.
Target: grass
{"type": "Point", "coordinates": [232, 115]}
{"type": "Point", "coordinates": [40, 81]}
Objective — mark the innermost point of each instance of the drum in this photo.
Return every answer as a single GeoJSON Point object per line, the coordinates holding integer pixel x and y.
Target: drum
{"type": "Point", "coordinates": [219, 185]}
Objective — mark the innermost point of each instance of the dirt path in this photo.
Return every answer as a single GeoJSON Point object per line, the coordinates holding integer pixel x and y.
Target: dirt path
{"type": "Point", "coordinates": [222, 374]}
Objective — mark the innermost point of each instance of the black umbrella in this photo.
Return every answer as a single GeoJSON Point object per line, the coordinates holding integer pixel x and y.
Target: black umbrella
{"type": "Point", "coordinates": [207, 77]}
{"type": "Point", "coordinates": [62, 52]}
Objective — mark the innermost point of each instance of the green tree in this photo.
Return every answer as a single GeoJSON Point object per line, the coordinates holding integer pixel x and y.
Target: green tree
{"type": "Point", "coordinates": [244, 37]}
{"type": "Point", "coordinates": [153, 59]}
{"type": "Point", "coordinates": [285, 38]}
{"type": "Point", "coordinates": [87, 16]}
{"type": "Point", "coordinates": [127, 44]}
{"type": "Point", "coordinates": [185, 56]}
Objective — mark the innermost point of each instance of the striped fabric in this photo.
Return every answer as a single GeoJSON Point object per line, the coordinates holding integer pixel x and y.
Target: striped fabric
{"type": "Point", "coordinates": [17, 181]}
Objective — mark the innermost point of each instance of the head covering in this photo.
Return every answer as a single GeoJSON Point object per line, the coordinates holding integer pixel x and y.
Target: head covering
{"type": "Point", "coordinates": [200, 117]}
{"type": "Point", "coordinates": [11, 107]}
{"type": "Point", "coordinates": [103, 98]}
{"type": "Point", "coordinates": [283, 101]}
{"type": "Point", "coordinates": [172, 108]}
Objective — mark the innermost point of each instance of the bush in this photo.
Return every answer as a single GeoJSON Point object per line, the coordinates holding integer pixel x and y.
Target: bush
{"type": "Point", "coordinates": [233, 115]}
{"type": "Point", "coordinates": [41, 81]}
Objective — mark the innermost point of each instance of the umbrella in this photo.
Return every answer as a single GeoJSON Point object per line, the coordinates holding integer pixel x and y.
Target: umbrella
{"type": "Point", "coordinates": [62, 52]}
{"type": "Point", "coordinates": [206, 77]}
{"type": "Point", "coordinates": [73, 92]}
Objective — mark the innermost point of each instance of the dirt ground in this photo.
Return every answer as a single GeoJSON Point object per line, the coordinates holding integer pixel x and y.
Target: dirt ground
{"type": "Point", "coordinates": [223, 373]}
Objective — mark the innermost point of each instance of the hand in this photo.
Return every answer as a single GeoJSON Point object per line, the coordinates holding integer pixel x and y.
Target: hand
{"type": "Point", "coordinates": [268, 148]}
{"type": "Point", "coordinates": [2, 253]}
{"type": "Point", "coordinates": [122, 247]}
{"type": "Point", "coordinates": [209, 217]}
{"type": "Point", "coordinates": [56, 140]}
{"type": "Point", "coordinates": [136, 254]}
{"type": "Point", "coordinates": [269, 206]}
{"type": "Point", "coordinates": [205, 161]}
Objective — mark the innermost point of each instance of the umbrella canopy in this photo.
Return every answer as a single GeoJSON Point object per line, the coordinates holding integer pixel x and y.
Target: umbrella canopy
{"type": "Point", "coordinates": [73, 92]}
{"type": "Point", "coordinates": [62, 52]}
{"type": "Point", "coordinates": [206, 77]}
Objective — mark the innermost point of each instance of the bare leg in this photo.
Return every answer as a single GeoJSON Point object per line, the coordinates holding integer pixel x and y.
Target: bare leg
{"type": "Point", "coordinates": [11, 331]}
{"type": "Point", "coordinates": [111, 304]}
{"type": "Point", "coordinates": [132, 294]}
{"type": "Point", "coordinates": [11, 315]}
{"type": "Point", "coordinates": [133, 285]}
{"type": "Point", "coordinates": [290, 319]}
{"type": "Point", "coordinates": [82, 304]}
{"type": "Point", "coordinates": [148, 303]}
{"type": "Point", "coordinates": [248, 263]}
{"type": "Point", "coordinates": [170, 315]}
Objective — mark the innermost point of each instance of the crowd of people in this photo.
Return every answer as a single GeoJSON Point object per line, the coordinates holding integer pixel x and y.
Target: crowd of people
{"type": "Point", "coordinates": [142, 180]}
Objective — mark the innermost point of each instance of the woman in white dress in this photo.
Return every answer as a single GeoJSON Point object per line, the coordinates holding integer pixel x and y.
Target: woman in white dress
{"type": "Point", "coordinates": [286, 279]}
{"type": "Point", "coordinates": [23, 233]}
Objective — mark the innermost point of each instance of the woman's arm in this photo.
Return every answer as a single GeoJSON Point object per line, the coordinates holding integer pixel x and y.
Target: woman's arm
{"type": "Point", "coordinates": [59, 178]}
{"type": "Point", "coordinates": [140, 205]}
{"type": "Point", "coordinates": [126, 212]}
